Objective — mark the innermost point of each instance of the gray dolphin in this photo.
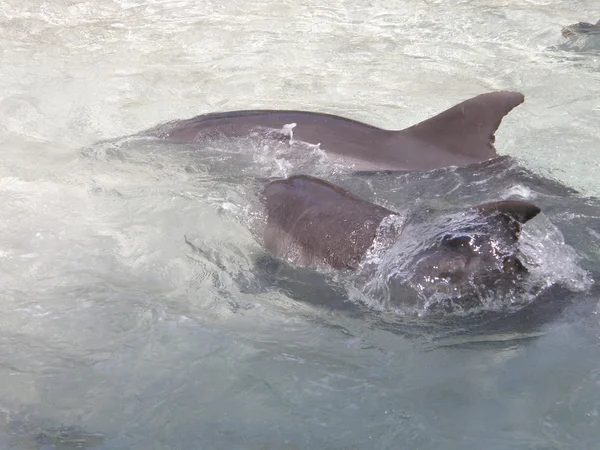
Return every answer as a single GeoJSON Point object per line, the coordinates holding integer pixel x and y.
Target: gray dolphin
{"type": "Point", "coordinates": [313, 223]}
{"type": "Point", "coordinates": [459, 136]}
{"type": "Point", "coordinates": [581, 28]}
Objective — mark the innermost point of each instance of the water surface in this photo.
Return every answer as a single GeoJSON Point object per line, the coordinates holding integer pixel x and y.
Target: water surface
{"type": "Point", "coordinates": [133, 314]}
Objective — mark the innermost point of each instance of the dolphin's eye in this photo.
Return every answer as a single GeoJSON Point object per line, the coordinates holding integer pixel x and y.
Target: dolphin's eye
{"type": "Point", "coordinates": [457, 242]}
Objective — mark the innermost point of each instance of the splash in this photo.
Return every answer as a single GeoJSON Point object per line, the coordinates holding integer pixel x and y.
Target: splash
{"type": "Point", "coordinates": [391, 279]}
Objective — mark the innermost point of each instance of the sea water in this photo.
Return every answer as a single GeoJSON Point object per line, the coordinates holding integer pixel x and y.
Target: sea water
{"type": "Point", "coordinates": [133, 314]}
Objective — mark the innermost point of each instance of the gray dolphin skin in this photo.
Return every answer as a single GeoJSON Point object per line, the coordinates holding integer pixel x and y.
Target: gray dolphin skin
{"type": "Point", "coordinates": [459, 136]}
{"type": "Point", "coordinates": [582, 28]}
{"type": "Point", "coordinates": [313, 223]}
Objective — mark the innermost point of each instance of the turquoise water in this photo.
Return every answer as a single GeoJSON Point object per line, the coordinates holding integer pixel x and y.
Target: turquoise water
{"type": "Point", "coordinates": [117, 333]}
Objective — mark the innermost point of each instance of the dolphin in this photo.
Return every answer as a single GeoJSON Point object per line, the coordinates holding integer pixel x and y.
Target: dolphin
{"type": "Point", "coordinates": [313, 223]}
{"type": "Point", "coordinates": [581, 28]}
{"type": "Point", "coordinates": [459, 136]}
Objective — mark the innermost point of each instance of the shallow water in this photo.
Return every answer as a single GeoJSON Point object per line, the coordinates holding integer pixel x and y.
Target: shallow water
{"type": "Point", "coordinates": [133, 314]}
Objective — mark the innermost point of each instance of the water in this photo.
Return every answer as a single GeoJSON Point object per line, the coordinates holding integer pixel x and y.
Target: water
{"type": "Point", "coordinates": [133, 315]}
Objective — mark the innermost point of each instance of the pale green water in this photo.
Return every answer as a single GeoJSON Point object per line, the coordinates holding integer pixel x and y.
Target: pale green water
{"type": "Point", "coordinates": [114, 326]}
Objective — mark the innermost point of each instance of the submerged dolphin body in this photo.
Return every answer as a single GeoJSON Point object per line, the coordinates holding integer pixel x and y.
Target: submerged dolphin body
{"type": "Point", "coordinates": [313, 223]}
{"type": "Point", "coordinates": [459, 136]}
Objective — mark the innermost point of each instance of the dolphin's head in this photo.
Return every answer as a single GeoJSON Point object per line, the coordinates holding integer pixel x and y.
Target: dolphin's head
{"type": "Point", "coordinates": [480, 252]}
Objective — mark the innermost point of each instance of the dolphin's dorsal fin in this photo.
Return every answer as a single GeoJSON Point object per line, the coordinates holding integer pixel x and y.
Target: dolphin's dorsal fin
{"type": "Point", "coordinates": [468, 128]}
{"type": "Point", "coordinates": [516, 210]}
{"type": "Point", "coordinates": [512, 213]}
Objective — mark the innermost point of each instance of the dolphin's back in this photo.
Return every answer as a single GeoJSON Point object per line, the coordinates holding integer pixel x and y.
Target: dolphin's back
{"type": "Point", "coordinates": [314, 223]}
{"type": "Point", "coordinates": [351, 141]}
{"type": "Point", "coordinates": [459, 136]}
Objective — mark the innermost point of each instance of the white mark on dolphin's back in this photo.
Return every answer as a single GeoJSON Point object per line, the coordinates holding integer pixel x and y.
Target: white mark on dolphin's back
{"type": "Point", "coordinates": [284, 134]}
{"type": "Point", "coordinates": [288, 130]}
